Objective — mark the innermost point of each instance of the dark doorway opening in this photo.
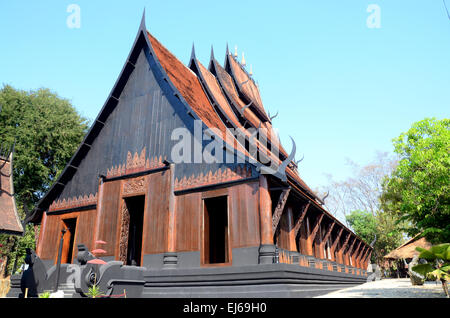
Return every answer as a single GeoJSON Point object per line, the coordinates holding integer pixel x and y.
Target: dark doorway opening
{"type": "Point", "coordinates": [69, 238]}
{"type": "Point", "coordinates": [216, 230]}
{"type": "Point", "coordinates": [135, 206]}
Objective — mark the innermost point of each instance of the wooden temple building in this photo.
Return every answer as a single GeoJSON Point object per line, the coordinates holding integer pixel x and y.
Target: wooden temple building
{"type": "Point", "coordinates": [216, 228]}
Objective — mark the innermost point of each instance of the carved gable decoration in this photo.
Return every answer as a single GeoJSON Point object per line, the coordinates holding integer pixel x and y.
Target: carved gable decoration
{"type": "Point", "coordinates": [220, 176]}
{"type": "Point", "coordinates": [134, 164]}
{"type": "Point", "coordinates": [74, 202]}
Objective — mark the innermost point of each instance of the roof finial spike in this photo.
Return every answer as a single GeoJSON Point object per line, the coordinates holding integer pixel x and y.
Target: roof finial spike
{"type": "Point", "coordinates": [142, 26]}
{"type": "Point", "coordinates": [212, 52]}
{"type": "Point", "coordinates": [235, 51]}
{"type": "Point", "coordinates": [192, 59]}
{"type": "Point", "coordinates": [243, 59]}
{"type": "Point", "coordinates": [251, 71]}
{"type": "Point", "coordinates": [193, 51]}
{"type": "Point", "coordinates": [227, 50]}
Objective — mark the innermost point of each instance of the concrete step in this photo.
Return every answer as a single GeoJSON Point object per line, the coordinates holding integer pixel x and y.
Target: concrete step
{"type": "Point", "coordinates": [68, 289]}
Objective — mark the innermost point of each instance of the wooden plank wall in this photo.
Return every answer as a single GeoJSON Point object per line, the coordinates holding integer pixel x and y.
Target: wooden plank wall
{"type": "Point", "coordinates": [49, 241]}
{"type": "Point", "coordinates": [243, 217]}
{"type": "Point", "coordinates": [242, 208]}
{"type": "Point", "coordinates": [285, 238]}
{"type": "Point", "coordinates": [156, 213]}
{"type": "Point", "coordinates": [107, 226]}
{"type": "Point", "coordinates": [188, 222]}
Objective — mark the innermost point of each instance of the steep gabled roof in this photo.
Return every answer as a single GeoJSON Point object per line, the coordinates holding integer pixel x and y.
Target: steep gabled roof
{"type": "Point", "coordinates": [215, 92]}
{"type": "Point", "coordinates": [245, 85]}
{"type": "Point", "coordinates": [229, 89]}
{"type": "Point", "coordinates": [188, 85]}
{"type": "Point", "coordinates": [9, 218]}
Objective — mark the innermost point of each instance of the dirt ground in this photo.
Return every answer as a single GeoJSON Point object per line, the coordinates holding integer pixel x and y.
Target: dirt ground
{"type": "Point", "coordinates": [390, 288]}
{"type": "Point", "coordinates": [4, 286]}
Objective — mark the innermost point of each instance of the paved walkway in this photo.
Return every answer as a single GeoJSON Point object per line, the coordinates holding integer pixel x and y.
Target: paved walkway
{"type": "Point", "coordinates": [390, 288]}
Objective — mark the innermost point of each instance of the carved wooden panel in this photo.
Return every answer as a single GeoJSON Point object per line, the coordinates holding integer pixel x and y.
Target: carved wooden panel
{"type": "Point", "coordinates": [134, 186]}
{"type": "Point", "coordinates": [124, 232]}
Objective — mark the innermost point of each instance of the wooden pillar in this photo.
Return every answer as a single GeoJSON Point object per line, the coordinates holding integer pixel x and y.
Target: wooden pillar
{"type": "Point", "coordinates": [267, 248]}
{"type": "Point", "coordinates": [318, 250]}
{"type": "Point", "coordinates": [342, 249]}
{"type": "Point", "coordinates": [354, 254]}
{"type": "Point", "coordinates": [364, 257]}
{"type": "Point", "coordinates": [286, 238]}
{"type": "Point", "coordinates": [308, 243]}
{"type": "Point", "coordinates": [170, 259]}
{"type": "Point", "coordinates": [360, 255]}
{"type": "Point", "coordinates": [298, 224]}
{"type": "Point", "coordinates": [367, 257]}
{"type": "Point", "coordinates": [265, 210]}
{"type": "Point", "coordinates": [348, 253]}
{"type": "Point", "coordinates": [312, 235]}
{"type": "Point", "coordinates": [326, 237]}
{"type": "Point", "coordinates": [335, 244]}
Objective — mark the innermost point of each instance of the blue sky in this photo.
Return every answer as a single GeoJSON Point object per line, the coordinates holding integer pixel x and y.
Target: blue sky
{"type": "Point", "coordinates": [342, 89]}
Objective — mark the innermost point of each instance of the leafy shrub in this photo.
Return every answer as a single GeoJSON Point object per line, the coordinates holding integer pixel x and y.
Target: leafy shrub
{"type": "Point", "coordinates": [438, 266]}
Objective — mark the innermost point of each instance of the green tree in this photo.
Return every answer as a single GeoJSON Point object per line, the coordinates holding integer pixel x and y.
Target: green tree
{"type": "Point", "coordinates": [381, 226]}
{"type": "Point", "coordinates": [46, 130]}
{"type": "Point", "coordinates": [418, 190]}
{"type": "Point", "coordinates": [364, 224]}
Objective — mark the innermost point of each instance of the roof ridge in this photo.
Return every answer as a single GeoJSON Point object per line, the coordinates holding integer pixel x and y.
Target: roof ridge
{"type": "Point", "coordinates": [243, 69]}
{"type": "Point", "coordinates": [176, 58]}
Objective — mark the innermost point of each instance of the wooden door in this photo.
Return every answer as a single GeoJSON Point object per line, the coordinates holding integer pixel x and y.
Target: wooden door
{"type": "Point", "coordinates": [67, 253]}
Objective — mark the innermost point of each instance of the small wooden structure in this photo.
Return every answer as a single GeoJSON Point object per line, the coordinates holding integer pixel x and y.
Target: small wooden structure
{"type": "Point", "coordinates": [402, 255]}
{"type": "Point", "coordinates": [408, 250]}
{"type": "Point", "coordinates": [9, 219]}
{"type": "Point", "coordinates": [219, 209]}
